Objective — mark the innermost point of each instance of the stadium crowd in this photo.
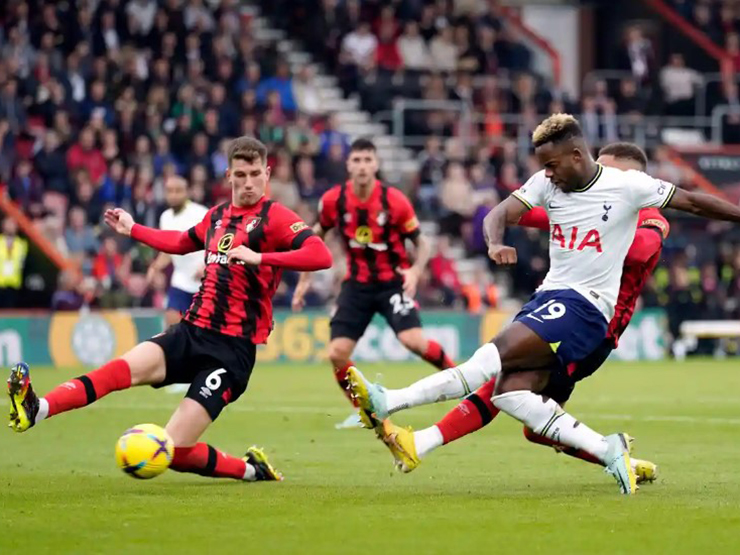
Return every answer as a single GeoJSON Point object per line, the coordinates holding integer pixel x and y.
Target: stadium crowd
{"type": "Point", "coordinates": [101, 101]}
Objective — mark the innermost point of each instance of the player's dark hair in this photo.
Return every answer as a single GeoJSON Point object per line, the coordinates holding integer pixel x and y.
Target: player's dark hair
{"type": "Point", "coordinates": [362, 144]}
{"type": "Point", "coordinates": [626, 151]}
{"type": "Point", "coordinates": [248, 149]}
{"type": "Point", "coordinates": [556, 129]}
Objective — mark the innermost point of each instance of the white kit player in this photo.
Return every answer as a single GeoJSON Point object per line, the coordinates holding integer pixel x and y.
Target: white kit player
{"type": "Point", "coordinates": [593, 213]}
{"type": "Point", "coordinates": [181, 215]}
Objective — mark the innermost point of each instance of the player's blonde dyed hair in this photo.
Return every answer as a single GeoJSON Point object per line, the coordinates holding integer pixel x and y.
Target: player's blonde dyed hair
{"type": "Point", "coordinates": [556, 128]}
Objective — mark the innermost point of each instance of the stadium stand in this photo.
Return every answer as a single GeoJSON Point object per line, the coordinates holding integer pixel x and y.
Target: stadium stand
{"type": "Point", "coordinates": [100, 101]}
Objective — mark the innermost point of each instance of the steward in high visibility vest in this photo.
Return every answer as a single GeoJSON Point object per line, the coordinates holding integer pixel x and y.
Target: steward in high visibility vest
{"type": "Point", "coordinates": [13, 252]}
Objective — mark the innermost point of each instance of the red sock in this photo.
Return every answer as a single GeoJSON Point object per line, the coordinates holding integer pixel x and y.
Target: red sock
{"type": "Point", "coordinates": [340, 374]}
{"type": "Point", "coordinates": [205, 460]}
{"type": "Point", "coordinates": [80, 392]}
{"type": "Point", "coordinates": [471, 415]}
{"type": "Point", "coordinates": [436, 356]}
{"type": "Point", "coordinates": [570, 451]}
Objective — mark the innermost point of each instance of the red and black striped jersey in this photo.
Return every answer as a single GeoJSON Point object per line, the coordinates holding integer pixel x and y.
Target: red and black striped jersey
{"type": "Point", "coordinates": [235, 299]}
{"type": "Point", "coordinates": [373, 230]}
{"type": "Point", "coordinates": [642, 258]}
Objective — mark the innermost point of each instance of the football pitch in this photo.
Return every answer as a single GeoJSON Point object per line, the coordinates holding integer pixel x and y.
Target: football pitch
{"type": "Point", "coordinates": [491, 492]}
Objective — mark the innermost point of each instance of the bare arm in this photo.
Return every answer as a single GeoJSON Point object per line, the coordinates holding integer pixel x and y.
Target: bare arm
{"type": "Point", "coordinates": [508, 212]}
{"type": "Point", "coordinates": [423, 253]}
{"type": "Point", "coordinates": [411, 275]}
{"type": "Point", "coordinates": [161, 262]}
{"type": "Point", "coordinates": [304, 280]}
{"type": "Point", "coordinates": [702, 204]}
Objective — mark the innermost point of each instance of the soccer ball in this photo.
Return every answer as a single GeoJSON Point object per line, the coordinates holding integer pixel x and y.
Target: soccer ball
{"type": "Point", "coordinates": [144, 451]}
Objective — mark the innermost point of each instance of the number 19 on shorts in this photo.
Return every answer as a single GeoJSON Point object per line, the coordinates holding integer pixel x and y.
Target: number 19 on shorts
{"type": "Point", "coordinates": [554, 308]}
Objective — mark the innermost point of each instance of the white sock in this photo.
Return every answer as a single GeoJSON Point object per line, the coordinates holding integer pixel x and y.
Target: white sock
{"type": "Point", "coordinates": [453, 383]}
{"type": "Point", "coordinates": [43, 410]}
{"type": "Point", "coordinates": [427, 440]}
{"type": "Point", "coordinates": [250, 474]}
{"type": "Point", "coordinates": [547, 418]}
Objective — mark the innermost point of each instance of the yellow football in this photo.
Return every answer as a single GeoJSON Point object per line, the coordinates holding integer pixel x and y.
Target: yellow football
{"type": "Point", "coordinates": [144, 451]}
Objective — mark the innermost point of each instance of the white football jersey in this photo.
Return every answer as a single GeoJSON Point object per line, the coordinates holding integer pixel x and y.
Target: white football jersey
{"type": "Point", "coordinates": [186, 266]}
{"type": "Point", "coordinates": [592, 228]}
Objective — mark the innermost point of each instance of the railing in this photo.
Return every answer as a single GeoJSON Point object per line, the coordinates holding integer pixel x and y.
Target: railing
{"type": "Point", "coordinates": [610, 75]}
{"type": "Point", "coordinates": [645, 131]}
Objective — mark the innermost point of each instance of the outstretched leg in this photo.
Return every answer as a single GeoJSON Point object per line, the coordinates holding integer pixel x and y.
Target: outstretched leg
{"type": "Point", "coordinates": [144, 364]}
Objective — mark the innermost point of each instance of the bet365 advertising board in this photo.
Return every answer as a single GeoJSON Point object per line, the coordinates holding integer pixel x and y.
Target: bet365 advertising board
{"type": "Point", "coordinates": [89, 339]}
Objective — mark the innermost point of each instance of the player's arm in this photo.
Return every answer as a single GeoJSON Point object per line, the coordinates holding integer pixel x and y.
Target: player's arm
{"type": "Point", "coordinates": [536, 218]}
{"type": "Point", "coordinates": [506, 213]}
{"type": "Point", "coordinates": [326, 221]}
{"type": "Point", "coordinates": [704, 205]}
{"type": "Point", "coordinates": [171, 242]}
{"type": "Point", "coordinates": [647, 242]}
{"type": "Point", "coordinates": [298, 248]}
{"type": "Point", "coordinates": [160, 262]}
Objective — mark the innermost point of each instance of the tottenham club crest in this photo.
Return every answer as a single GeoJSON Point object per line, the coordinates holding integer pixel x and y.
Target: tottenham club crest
{"type": "Point", "coordinates": [252, 222]}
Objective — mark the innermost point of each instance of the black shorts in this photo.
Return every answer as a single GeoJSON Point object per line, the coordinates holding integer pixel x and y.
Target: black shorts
{"type": "Point", "coordinates": [216, 366]}
{"type": "Point", "coordinates": [563, 380]}
{"type": "Point", "coordinates": [358, 303]}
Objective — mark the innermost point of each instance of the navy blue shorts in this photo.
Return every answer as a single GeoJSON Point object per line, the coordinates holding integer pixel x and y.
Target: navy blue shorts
{"type": "Point", "coordinates": [179, 300]}
{"type": "Point", "coordinates": [572, 326]}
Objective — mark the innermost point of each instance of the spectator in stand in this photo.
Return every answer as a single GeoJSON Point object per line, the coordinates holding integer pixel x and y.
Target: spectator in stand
{"type": "Point", "coordinates": [200, 154]}
{"type": "Point", "coordinates": [359, 45]}
{"type": "Point", "coordinates": [638, 56]}
{"type": "Point", "coordinates": [50, 163]}
{"type": "Point", "coordinates": [162, 156]}
{"type": "Point", "coordinates": [282, 82]}
{"type": "Point", "coordinates": [598, 120]}
{"type": "Point", "coordinates": [413, 48]}
{"type": "Point", "coordinates": [96, 103]}
{"type": "Point", "coordinates": [85, 155]}
{"type": "Point", "coordinates": [704, 21]}
{"type": "Point", "coordinates": [67, 295]}
{"type": "Point", "coordinates": [629, 101]}
{"type": "Point", "coordinates": [444, 275]}
{"type": "Point", "coordinates": [219, 158]}
{"type": "Point", "coordinates": [457, 200]}
{"type": "Point", "coordinates": [302, 138]}
{"type": "Point", "coordinates": [443, 51]}
{"type": "Point", "coordinates": [309, 186]}
{"type": "Point", "coordinates": [679, 84]}
{"type": "Point", "coordinates": [12, 108]}
{"type": "Point", "coordinates": [228, 115]}
{"type": "Point", "coordinates": [80, 239]}
{"type": "Point", "coordinates": [26, 188]}
{"type": "Point", "coordinates": [331, 135]}
{"type": "Point", "coordinates": [387, 55]}
{"type": "Point", "coordinates": [306, 93]}
{"type": "Point", "coordinates": [333, 168]}
{"type": "Point", "coordinates": [141, 205]}
{"type": "Point", "coordinates": [111, 269]}
{"type": "Point", "coordinates": [283, 187]}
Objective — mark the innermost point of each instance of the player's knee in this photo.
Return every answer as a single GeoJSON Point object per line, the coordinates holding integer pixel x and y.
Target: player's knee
{"type": "Point", "coordinates": [147, 363]}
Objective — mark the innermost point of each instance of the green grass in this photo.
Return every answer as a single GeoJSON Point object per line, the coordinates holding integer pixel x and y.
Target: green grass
{"type": "Point", "coordinates": [60, 491]}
